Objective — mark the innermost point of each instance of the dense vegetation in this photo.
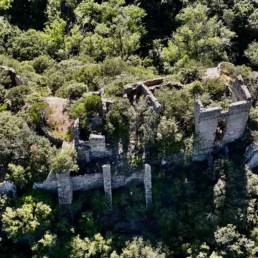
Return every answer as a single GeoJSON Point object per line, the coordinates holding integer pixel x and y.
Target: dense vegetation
{"type": "Point", "coordinates": [71, 48]}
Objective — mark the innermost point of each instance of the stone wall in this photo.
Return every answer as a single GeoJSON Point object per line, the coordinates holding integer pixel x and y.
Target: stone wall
{"type": "Point", "coordinates": [107, 182]}
{"type": "Point", "coordinates": [150, 97]}
{"type": "Point", "coordinates": [146, 88]}
{"type": "Point", "coordinates": [207, 121]}
{"type": "Point", "coordinates": [251, 156]}
{"type": "Point", "coordinates": [95, 148]}
{"type": "Point", "coordinates": [97, 143]}
{"type": "Point", "coordinates": [64, 189]}
{"type": "Point", "coordinates": [147, 185]}
{"type": "Point", "coordinates": [65, 184]}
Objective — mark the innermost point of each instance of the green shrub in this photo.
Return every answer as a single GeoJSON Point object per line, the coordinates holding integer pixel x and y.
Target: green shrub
{"type": "Point", "coordinates": [28, 45]}
{"type": "Point", "coordinates": [41, 63]}
{"type": "Point", "coordinates": [16, 97]}
{"type": "Point", "coordinates": [189, 75]}
{"type": "Point", "coordinates": [72, 90]}
{"type": "Point", "coordinates": [86, 106]}
{"type": "Point", "coordinates": [196, 88]}
{"type": "Point", "coordinates": [55, 80]}
{"type": "Point", "coordinates": [90, 75]}
{"type": "Point", "coordinates": [113, 67]}
{"type": "Point", "coordinates": [88, 225]}
{"type": "Point", "coordinates": [2, 94]}
{"type": "Point", "coordinates": [215, 87]}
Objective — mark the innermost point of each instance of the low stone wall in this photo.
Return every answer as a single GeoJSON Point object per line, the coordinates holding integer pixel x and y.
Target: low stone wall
{"type": "Point", "coordinates": [146, 89]}
{"type": "Point", "coordinates": [150, 97]}
{"type": "Point", "coordinates": [64, 184]}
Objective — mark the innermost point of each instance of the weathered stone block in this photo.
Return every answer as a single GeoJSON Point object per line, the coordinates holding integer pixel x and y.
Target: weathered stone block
{"type": "Point", "coordinates": [97, 143]}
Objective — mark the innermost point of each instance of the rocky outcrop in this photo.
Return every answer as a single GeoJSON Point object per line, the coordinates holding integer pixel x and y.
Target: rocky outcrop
{"type": "Point", "coordinates": [9, 77]}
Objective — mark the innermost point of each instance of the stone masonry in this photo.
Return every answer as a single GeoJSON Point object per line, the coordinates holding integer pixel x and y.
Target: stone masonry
{"type": "Point", "coordinates": [147, 185]}
{"type": "Point", "coordinates": [251, 155]}
{"type": "Point", "coordinates": [95, 148]}
{"type": "Point", "coordinates": [65, 184]}
{"type": "Point", "coordinates": [97, 143]}
{"type": "Point", "coordinates": [207, 121]}
{"type": "Point", "coordinates": [107, 182]}
{"type": "Point", "coordinates": [64, 189]}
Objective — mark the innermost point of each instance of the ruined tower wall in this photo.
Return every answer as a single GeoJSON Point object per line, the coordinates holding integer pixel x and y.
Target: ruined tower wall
{"type": "Point", "coordinates": [206, 123]}
{"type": "Point", "coordinates": [237, 117]}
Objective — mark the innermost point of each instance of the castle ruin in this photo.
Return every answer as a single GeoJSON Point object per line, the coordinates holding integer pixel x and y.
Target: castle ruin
{"type": "Point", "coordinates": [215, 127]}
{"type": "Point", "coordinates": [64, 184]}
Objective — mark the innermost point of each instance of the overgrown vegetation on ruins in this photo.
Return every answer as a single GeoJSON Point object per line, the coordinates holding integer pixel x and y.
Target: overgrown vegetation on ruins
{"type": "Point", "coordinates": [63, 61]}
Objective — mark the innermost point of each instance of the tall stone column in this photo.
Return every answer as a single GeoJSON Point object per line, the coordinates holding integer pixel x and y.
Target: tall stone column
{"type": "Point", "coordinates": [76, 133]}
{"type": "Point", "coordinates": [147, 185]}
{"type": "Point", "coordinates": [64, 189]}
{"type": "Point", "coordinates": [107, 181]}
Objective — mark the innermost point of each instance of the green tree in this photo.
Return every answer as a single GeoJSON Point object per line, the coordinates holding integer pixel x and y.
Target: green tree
{"type": "Point", "coordinates": [64, 160]}
{"type": "Point", "coordinates": [45, 247]}
{"type": "Point", "coordinates": [28, 45]}
{"type": "Point", "coordinates": [118, 121]}
{"type": "Point", "coordinates": [168, 135]}
{"type": "Point", "coordinates": [198, 38]}
{"type": "Point", "coordinates": [111, 28]}
{"type": "Point", "coordinates": [18, 175]}
{"type": "Point", "coordinates": [26, 221]}
{"type": "Point", "coordinates": [138, 248]}
{"type": "Point", "coordinates": [5, 4]}
{"type": "Point", "coordinates": [88, 225]}
{"type": "Point", "coordinates": [88, 105]}
{"type": "Point", "coordinates": [90, 248]}
{"type": "Point", "coordinates": [15, 138]}
{"type": "Point", "coordinates": [54, 38]}
{"type": "Point", "coordinates": [231, 243]}
{"type": "Point", "coordinates": [8, 33]}
{"type": "Point", "coordinates": [252, 53]}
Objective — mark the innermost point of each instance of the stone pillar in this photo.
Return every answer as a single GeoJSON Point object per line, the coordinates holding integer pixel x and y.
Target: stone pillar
{"type": "Point", "coordinates": [76, 133]}
{"type": "Point", "coordinates": [64, 189]}
{"type": "Point", "coordinates": [87, 156]}
{"type": "Point", "coordinates": [107, 181]}
{"type": "Point", "coordinates": [147, 185]}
